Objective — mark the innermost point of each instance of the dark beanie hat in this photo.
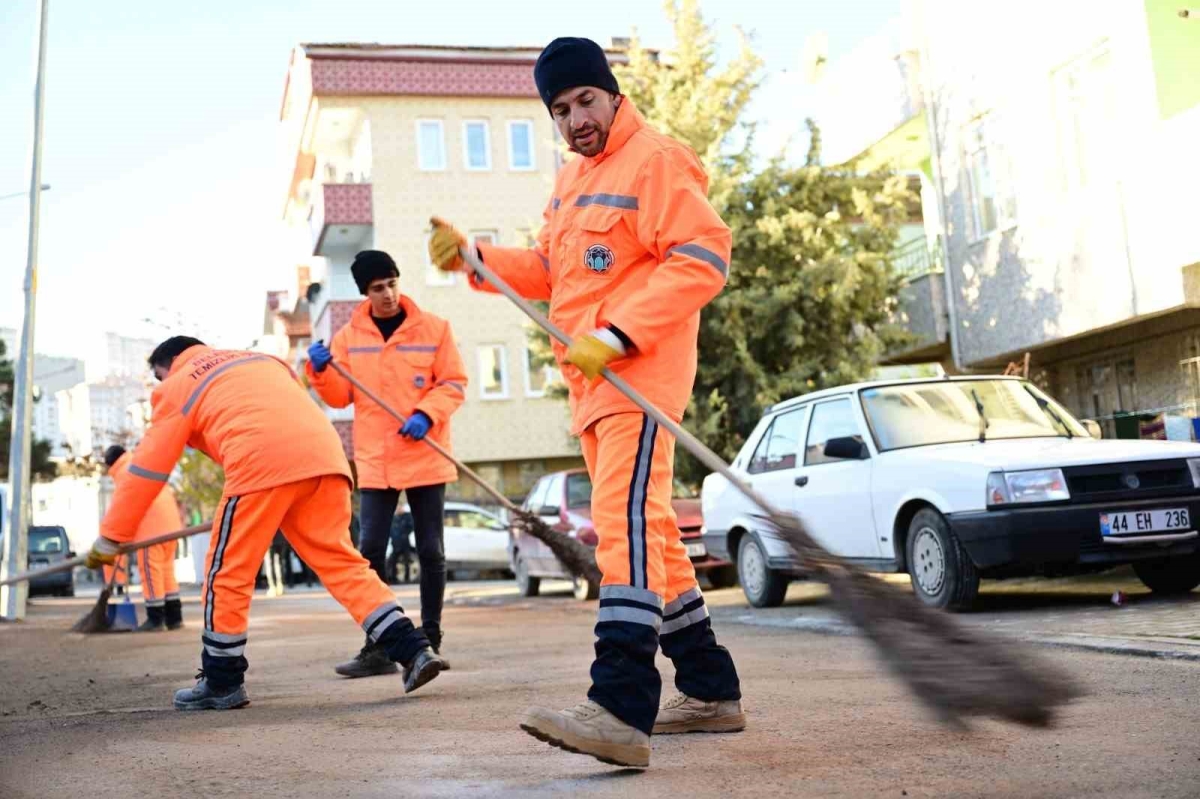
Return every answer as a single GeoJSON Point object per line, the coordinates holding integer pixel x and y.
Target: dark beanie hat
{"type": "Point", "coordinates": [113, 454]}
{"type": "Point", "coordinates": [372, 265]}
{"type": "Point", "coordinates": [569, 62]}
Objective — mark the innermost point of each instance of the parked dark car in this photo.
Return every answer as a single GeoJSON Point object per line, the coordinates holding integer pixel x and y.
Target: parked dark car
{"type": "Point", "coordinates": [48, 546]}
{"type": "Point", "coordinates": [564, 501]}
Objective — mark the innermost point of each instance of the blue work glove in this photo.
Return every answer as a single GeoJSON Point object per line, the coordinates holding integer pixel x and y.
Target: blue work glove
{"type": "Point", "coordinates": [417, 426]}
{"type": "Point", "coordinates": [319, 356]}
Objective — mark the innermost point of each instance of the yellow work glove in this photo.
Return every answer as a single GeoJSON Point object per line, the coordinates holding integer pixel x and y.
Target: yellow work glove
{"type": "Point", "coordinates": [591, 353]}
{"type": "Point", "coordinates": [102, 553]}
{"type": "Point", "coordinates": [444, 244]}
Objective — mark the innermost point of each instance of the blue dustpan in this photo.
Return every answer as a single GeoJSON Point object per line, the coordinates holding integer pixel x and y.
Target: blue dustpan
{"type": "Point", "coordinates": [122, 616]}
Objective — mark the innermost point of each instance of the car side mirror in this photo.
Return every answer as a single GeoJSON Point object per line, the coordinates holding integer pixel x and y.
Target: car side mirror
{"type": "Point", "coordinates": [1093, 427]}
{"type": "Point", "coordinates": [846, 448]}
{"type": "Point", "coordinates": [549, 510]}
{"type": "Point", "coordinates": [71, 553]}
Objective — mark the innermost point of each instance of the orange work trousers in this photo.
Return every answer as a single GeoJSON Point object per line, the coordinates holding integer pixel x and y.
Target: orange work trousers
{"type": "Point", "coordinates": [649, 596]}
{"type": "Point", "coordinates": [121, 567]}
{"type": "Point", "coordinates": [156, 565]}
{"type": "Point", "coordinates": [314, 516]}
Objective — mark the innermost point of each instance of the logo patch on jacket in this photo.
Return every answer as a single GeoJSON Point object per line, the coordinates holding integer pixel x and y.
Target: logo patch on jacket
{"type": "Point", "coordinates": [598, 259]}
{"type": "Point", "coordinates": [419, 381]}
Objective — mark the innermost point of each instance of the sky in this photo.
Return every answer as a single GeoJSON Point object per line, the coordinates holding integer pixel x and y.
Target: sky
{"type": "Point", "coordinates": [162, 144]}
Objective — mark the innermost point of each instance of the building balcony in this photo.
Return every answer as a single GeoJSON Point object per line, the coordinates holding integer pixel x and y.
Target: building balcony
{"type": "Point", "coordinates": [340, 218]}
{"type": "Point", "coordinates": [922, 310]}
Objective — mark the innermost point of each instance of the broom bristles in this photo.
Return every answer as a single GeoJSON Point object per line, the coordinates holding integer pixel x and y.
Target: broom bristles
{"type": "Point", "coordinates": [952, 670]}
{"type": "Point", "coordinates": [576, 557]}
{"type": "Point", "coordinates": [96, 619]}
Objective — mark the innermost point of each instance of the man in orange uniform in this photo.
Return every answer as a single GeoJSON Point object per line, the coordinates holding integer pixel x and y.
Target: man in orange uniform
{"type": "Point", "coordinates": [408, 358]}
{"type": "Point", "coordinates": [284, 470]}
{"type": "Point", "coordinates": [156, 564]}
{"type": "Point", "coordinates": [629, 253]}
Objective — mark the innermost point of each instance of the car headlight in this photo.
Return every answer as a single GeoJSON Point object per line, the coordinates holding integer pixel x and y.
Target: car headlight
{"type": "Point", "coordinates": [1041, 485]}
{"type": "Point", "coordinates": [1194, 466]}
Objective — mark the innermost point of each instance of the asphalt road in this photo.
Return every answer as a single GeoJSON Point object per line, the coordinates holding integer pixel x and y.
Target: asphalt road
{"type": "Point", "coordinates": [92, 716]}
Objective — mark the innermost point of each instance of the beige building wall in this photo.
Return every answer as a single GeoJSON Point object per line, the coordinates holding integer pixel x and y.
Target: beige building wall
{"type": "Point", "coordinates": [503, 201]}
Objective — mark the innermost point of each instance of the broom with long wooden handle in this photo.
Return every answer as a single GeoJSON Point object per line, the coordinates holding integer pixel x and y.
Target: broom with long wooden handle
{"type": "Point", "coordinates": [578, 558]}
{"type": "Point", "coordinates": [96, 619]}
{"type": "Point", "coordinates": [955, 672]}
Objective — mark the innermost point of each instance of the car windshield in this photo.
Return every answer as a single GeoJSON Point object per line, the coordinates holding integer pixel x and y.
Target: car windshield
{"type": "Point", "coordinates": [45, 540]}
{"type": "Point", "coordinates": [579, 490]}
{"type": "Point", "coordinates": [922, 414]}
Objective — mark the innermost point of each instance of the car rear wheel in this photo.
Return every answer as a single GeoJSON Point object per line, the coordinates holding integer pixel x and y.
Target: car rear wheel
{"type": "Point", "coordinates": [764, 587]}
{"type": "Point", "coordinates": [1169, 575]}
{"type": "Point", "coordinates": [942, 573]}
{"type": "Point", "coordinates": [586, 590]}
{"type": "Point", "coordinates": [526, 585]}
{"type": "Point", "coordinates": [722, 576]}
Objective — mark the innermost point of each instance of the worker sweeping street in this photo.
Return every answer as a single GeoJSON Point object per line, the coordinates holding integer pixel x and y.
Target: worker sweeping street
{"type": "Point", "coordinates": [284, 470]}
{"type": "Point", "coordinates": [408, 358]}
{"type": "Point", "coordinates": [156, 564]}
{"type": "Point", "coordinates": [629, 253]}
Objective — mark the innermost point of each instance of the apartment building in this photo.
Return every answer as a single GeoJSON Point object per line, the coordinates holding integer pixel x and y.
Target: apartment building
{"type": "Point", "coordinates": [1059, 141]}
{"type": "Point", "coordinates": [383, 137]}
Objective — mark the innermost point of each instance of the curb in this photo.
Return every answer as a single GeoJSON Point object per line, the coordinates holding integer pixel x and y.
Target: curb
{"type": "Point", "coordinates": [1130, 647]}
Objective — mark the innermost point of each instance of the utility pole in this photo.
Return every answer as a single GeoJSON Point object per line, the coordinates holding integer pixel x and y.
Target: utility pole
{"type": "Point", "coordinates": [16, 548]}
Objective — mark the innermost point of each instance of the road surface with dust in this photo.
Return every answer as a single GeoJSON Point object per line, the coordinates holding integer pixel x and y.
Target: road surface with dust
{"type": "Point", "coordinates": [92, 717]}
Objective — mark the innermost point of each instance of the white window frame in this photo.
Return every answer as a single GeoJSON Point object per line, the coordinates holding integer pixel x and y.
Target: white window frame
{"type": "Point", "coordinates": [442, 135]}
{"type": "Point", "coordinates": [512, 165]}
{"type": "Point", "coordinates": [487, 146]}
{"type": "Point", "coordinates": [434, 276]}
{"type": "Point", "coordinates": [551, 375]}
{"type": "Point", "coordinates": [479, 361]}
{"type": "Point", "coordinates": [976, 139]}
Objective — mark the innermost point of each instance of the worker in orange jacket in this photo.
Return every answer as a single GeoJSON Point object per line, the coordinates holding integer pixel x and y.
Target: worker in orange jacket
{"type": "Point", "coordinates": [629, 253]}
{"type": "Point", "coordinates": [284, 470]}
{"type": "Point", "coordinates": [156, 564]}
{"type": "Point", "coordinates": [408, 358]}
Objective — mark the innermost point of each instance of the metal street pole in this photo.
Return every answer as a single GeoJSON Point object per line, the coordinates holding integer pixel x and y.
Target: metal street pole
{"type": "Point", "coordinates": [12, 597]}
{"type": "Point", "coordinates": [45, 187]}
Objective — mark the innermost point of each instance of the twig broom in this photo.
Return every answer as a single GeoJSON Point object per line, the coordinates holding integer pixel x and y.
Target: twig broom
{"type": "Point", "coordinates": [955, 672]}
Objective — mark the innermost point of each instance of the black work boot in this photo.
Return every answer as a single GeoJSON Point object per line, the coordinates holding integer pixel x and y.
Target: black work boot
{"type": "Point", "coordinates": [370, 661]}
{"type": "Point", "coordinates": [174, 609]}
{"type": "Point", "coordinates": [208, 697]}
{"type": "Point", "coordinates": [156, 620]}
{"type": "Point", "coordinates": [433, 631]}
{"type": "Point", "coordinates": [421, 669]}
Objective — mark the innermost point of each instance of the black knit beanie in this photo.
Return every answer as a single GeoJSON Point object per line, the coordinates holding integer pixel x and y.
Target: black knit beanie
{"type": "Point", "coordinates": [113, 454]}
{"type": "Point", "coordinates": [372, 265]}
{"type": "Point", "coordinates": [569, 62]}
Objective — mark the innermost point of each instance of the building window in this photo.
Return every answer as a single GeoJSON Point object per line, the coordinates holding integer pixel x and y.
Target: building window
{"type": "Point", "coordinates": [520, 145]}
{"type": "Point", "coordinates": [433, 275]}
{"type": "Point", "coordinates": [431, 145]}
{"type": "Point", "coordinates": [993, 204]}
{"type": "Point", "coordinates": [538, 375]}
{"type": "Point", "coordinates": [493, 372]}
{"type": "Point", "coordinates": [1107, 388]}
{"type": "Point", "coordinates": [477, 146]}
{"type": "Point", "coordinates": [485, 236]}
{"type": "Point", "coordinates": [1088, 122]}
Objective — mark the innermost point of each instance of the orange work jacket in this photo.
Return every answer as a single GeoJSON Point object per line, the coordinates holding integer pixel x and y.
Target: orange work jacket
{"type": "Point", "coordinates": [163, 514]}
{"type": "Point", "coordinates": [245, 410]}
{"type": "Point", "coordinates": [629, 240]}
{"type": "Point", "coordinates": [417, 369]}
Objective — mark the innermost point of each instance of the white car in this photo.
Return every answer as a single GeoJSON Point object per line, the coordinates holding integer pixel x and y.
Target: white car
{"type": "Point", "coordinates": [953, 480]}
{"type": "Point", "coordinates": [475, 539]}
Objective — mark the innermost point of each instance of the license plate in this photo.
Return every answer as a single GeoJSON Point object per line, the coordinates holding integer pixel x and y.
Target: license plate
{"type": "Point", "coordinates": [697, 550]}
{"type": "Point", "coordinates": [1144, 522]}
